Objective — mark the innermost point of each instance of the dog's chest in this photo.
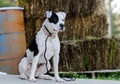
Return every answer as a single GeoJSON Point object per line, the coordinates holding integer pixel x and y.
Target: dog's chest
{"type": "Point", "coordinates": [50, 48]}
{"type": "Point", "coordinates": [53, 47]}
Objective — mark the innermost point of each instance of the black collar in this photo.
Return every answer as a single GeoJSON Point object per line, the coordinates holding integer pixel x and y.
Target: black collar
{"type": "Point", "coordinates": [48, 30]}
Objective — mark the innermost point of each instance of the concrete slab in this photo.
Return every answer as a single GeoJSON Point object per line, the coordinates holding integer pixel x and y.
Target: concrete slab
{"type": "Point", "coordinates": [14, 79]}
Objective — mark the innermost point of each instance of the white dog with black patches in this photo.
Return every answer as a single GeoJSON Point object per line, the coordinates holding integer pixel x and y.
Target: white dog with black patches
{"type": "Point", "coordinates": [44, 46]}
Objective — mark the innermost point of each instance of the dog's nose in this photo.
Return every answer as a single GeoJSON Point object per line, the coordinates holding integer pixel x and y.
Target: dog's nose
{"type": "Point", "coordinates": [61, 25]}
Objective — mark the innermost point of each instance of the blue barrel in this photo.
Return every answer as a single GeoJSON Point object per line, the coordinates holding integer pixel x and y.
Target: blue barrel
{"type": "Point", "coordinates": [12, 39]}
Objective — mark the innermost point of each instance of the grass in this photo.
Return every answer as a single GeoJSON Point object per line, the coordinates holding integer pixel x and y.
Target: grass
{"type": "Point", "coordinates": [101, 76]}
{"type": "Point", "coordinates": [109, 76]}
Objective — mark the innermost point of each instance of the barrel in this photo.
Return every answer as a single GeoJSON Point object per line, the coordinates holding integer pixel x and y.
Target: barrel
{"type": "Point", "coordinates": [12, 39]}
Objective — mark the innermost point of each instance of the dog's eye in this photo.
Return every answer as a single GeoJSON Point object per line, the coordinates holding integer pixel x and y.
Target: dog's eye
{"type": "Point", "coordinates": [63, 19]}
{"type": "Point", "coordinates": [55, 20]}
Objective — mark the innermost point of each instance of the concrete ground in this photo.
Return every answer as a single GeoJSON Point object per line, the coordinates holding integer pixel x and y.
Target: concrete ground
{"type": "Point", "coordinates": [14, 79]}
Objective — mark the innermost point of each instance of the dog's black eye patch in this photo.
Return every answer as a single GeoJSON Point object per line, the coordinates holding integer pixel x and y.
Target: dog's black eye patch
{"type": "Point", "coordinates": [54, 18]}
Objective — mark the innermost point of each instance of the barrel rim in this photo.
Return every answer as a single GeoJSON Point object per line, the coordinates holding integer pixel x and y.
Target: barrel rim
{"type": "Point", "coordinates": [11, 8]}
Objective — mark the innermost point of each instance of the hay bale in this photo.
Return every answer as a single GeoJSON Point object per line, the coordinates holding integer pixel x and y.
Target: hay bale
{"type": "Point", "coordinates": [84, 17]}
{"type": "Point", "coordinates": [94, 54]}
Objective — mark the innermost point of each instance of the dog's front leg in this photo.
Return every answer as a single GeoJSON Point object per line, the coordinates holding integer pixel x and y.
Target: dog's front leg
{"type": "Point", "coordinates": [55, 63]}
{"type": "Point", "coordinates": [33, 68]}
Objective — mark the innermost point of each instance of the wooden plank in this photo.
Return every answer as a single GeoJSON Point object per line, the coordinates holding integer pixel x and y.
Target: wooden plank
{"type": "Point", "coordinates": [95, 71]}
{"type": "Point", "coordinates": [101, 71]}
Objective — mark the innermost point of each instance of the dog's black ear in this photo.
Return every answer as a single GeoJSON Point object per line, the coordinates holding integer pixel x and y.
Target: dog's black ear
{"type": "Point", "coordinates": [48, 14]}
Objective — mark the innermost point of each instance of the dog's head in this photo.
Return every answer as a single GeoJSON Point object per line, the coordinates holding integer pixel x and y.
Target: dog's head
{"type": "Point", "coordinates": [55, 21]}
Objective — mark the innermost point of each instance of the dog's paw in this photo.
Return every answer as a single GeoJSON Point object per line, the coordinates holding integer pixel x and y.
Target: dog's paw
{"type": "Point", "coordinates": [33, 79]}
{"type": "Point", "coordinates": [22, 76]}
{"type": "Point", "coordinates": [46, 77]}
{"type": "Point", "coordinates": [59, 80]}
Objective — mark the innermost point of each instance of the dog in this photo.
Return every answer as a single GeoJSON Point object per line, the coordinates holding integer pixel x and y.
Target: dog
{"type": "Point", "coordinates": [44, 46]}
